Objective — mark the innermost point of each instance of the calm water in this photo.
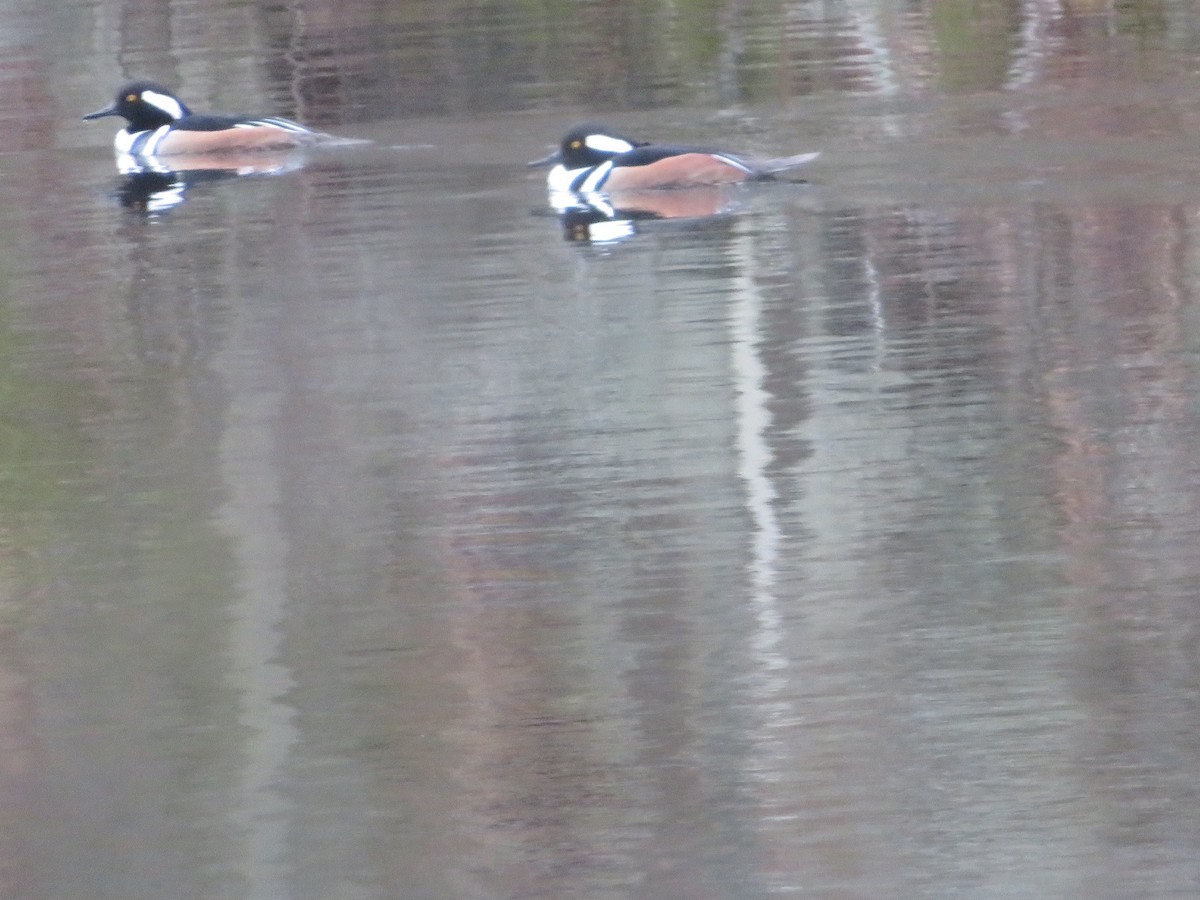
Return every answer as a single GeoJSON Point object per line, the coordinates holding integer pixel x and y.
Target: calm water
{"type": "Point", "coordinates": [368, 535]}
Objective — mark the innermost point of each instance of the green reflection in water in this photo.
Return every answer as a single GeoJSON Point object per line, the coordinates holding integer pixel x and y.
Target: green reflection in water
{"type": "Point", "coordinates": [974, 39]}
{"type": "Point", "coordinates": [40, 454]}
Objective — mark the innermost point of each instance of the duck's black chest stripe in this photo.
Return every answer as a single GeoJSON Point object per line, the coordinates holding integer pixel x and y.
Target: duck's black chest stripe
{"type": "Point", "coordinates": [592, 179]}
{"type": "Point", "coordinates": [140, 140]}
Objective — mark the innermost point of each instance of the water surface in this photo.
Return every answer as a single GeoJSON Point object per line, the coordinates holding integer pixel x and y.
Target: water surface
{"type": "Point", "coordinates": [367, 537]}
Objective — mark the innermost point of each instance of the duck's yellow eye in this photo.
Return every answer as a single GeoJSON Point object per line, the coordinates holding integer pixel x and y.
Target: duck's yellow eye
{"type": "Point", "coordinates": [131, 98]}
{"type": "Point", "coordinates": [575, 145]}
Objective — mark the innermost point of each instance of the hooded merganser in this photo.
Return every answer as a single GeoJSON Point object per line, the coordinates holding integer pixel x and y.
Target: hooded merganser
{"type": "Point", "coordinates": [161, 125]}
{"type": "Point", "coordinates": [592, 158]}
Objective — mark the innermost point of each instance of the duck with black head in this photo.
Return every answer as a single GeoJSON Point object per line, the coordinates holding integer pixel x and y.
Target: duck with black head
{"type": "Point", "coordinates": [159, 124]}
{"type": "Point", "coordinates": [591, 158]}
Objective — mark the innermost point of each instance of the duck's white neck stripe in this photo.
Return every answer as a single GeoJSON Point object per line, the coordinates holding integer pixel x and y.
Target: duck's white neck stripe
{"type": "Point", "coordinates": [596, 178]}
{"type": "Point", "coordinates": [123, 142]}
{"type": "Point", "coordinates": [561, 178]}
{"type": "Point", "coordinates": [154, 140]}
{"type": "Point", "coordinates": [165, 102]}
{"type": "Point", "coordinates": [140, 143]}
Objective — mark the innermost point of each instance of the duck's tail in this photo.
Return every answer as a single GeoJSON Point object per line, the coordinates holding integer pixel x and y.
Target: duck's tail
{"type": "Point", "coordinates": [772, 167]}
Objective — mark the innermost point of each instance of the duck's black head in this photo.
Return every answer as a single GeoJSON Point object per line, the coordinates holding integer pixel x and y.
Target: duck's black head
{"type": "Point", "coordinates": [144, 105]}
{"type": "Point", "coordinates": [588, 145]}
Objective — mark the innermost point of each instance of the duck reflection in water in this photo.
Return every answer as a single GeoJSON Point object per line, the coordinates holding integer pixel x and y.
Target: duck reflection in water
{"type": "Point", "coordinates": [157, 185]}
{"type": "Point", "coordinates": [598, 218]}
{"type": "Point", "coordinates": [602, 182]}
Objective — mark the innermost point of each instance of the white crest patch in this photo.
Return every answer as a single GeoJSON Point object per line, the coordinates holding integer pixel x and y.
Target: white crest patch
{"type": "Point", "coordinates": [604, 143]}
{"type": "Point", "coordinates": [165, 102]}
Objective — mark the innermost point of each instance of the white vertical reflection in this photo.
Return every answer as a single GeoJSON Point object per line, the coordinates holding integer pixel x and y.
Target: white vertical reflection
{"type": "Point", "coordinates": [864, 24]}
{"type": "Point", "coordinates": [878, 62]}
{"type": "Point", "coordinates": [768, 682]}
{"type": "Point", "coordinates": [753, 419]}
{"type": "Point", "coordinates": [251, 517]}
{"type": "Point", "coordinates": [1037, 41]}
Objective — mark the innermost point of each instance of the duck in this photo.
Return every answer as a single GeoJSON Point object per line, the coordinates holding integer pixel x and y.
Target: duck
{"type": "Point", "coordinates": [160, 124]}
{"type": "Point", "coordinates": [593, 158]}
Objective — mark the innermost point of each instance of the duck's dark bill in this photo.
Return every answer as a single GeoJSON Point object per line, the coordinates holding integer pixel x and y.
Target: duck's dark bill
{"type": "Point", "coordinates": [555, 157]}
{"type": "Point", "coordinates": [101, 113]}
